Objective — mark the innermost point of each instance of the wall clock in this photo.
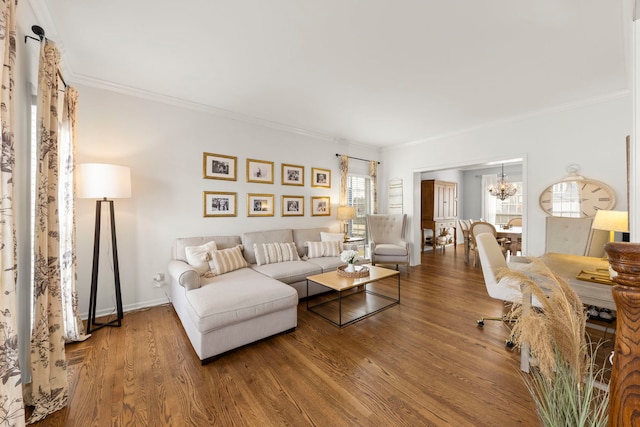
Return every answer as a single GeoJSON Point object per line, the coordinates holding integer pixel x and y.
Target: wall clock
{"type": "Point", "coordinates": [577, 197]}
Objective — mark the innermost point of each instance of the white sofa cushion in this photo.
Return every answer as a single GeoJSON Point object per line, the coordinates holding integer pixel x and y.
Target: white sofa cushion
{"type": "Point", "coordinates": [331, 237]}
{"type": "Point", "coordinates": [227, 260]}
{"type": "Point", "coordinates": [303, 235]}
{"type": "Point", "coordinates": [270, 253]}
{"type": "Point", "coordinates": [326, 263]}
{"type": "Point", "coordinates": [198, 256]}
{"type": "Point", "coordinates": [290, 271]}
{"type": "Point", "coordinates": [236, 297]}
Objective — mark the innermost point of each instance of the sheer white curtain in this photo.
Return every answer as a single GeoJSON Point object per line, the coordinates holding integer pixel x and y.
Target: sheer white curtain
{"type": "Point", "coordinates": [73, 327]}
{"type": "Point", "coordinates": [488, 201]}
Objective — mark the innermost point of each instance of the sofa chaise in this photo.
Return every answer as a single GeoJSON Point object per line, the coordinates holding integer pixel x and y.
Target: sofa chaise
{"type": "Point", "coordinates": [247, 287]}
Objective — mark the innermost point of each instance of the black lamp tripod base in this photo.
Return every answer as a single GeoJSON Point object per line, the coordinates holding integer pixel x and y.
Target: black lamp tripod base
{"type": "Point", "coordinates": [94, 274]}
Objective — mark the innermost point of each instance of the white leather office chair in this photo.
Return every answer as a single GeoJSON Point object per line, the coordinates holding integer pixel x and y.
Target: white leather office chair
{"type": "Point", "coordinates": [492, 261]}
{"type": "Point", "coordinates": [387, 244]}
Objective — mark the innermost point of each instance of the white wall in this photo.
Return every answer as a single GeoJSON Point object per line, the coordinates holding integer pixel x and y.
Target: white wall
{"type": "Point", "coordinates": [163, 145]}
{"type": "Point", "coordinates": [592, 136]}
{"type": "Point", "coordinates": [472, 185]}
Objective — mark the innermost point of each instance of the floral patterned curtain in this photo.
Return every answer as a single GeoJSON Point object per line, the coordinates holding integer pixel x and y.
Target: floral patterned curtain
{"type": "Point", "coordinates": [48, 389]}
{"type": "Point", "coordinates": [373, 173]}
{"type": "Point", "coordinates": [73, 327]}
{"type": "Point", "coordinates": [344, 170]}
{"type": "Point", "coordinates": [11, 403]}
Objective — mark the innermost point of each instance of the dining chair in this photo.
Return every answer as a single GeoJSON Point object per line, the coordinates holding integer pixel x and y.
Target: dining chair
{"type": "Point", "coordinates": [465, 225]}
{"type": "Point", "coordinates": [480, 227]}
{"type": "Point", "coordinates": [514, 246]}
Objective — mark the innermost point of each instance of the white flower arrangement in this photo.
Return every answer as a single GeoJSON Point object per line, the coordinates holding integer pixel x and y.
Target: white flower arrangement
{"type": "Point", "coordinates": [349, 256]}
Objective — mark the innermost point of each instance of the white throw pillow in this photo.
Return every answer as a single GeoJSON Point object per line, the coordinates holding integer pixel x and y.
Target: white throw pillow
{"type": "Point", "coordinates": [226, 260]}
{"type": "Point", "coordinates": [198, 256]}
{"type": "Point", "coordinates": [270, 253]}
{"type": "Point", "coordinates": [324, 249]}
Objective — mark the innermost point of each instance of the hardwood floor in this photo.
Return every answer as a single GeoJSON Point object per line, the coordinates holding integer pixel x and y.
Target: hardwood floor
{"type": "Point", "coordinates": [423, 362]}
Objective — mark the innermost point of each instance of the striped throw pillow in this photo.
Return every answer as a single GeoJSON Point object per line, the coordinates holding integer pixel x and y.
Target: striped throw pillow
{"type": "Point", "coordinates": [270, 253]}
{"type": "Point", "coordinates": [324, 249]}
{"type": "Point", "coordinates": [226, 260]}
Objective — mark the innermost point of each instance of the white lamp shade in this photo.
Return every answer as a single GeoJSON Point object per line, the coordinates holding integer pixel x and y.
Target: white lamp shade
{"type": "Point", "coordinates": [100, 180]}
{"type": "Point", "coordinates": [611, 221]}
{"type": "Point", "coordinates": [346, 213]}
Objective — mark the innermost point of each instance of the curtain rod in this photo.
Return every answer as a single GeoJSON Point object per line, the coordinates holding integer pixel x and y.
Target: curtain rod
{"type": "Point", "coordinates": [39, 31]}
{"type": "Point", "coordinates": [356, 158]}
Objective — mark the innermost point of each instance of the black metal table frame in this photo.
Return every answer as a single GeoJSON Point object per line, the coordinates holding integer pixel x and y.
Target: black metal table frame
{"type": "Point", "coordinates": [340, 297]}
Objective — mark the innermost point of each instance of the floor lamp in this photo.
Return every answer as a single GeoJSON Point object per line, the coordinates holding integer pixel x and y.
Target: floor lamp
{"type": "Point", "coordinates": [103, 182]}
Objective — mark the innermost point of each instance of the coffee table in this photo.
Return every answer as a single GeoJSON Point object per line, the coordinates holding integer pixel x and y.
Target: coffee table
{"type": "Point", "coordinates": [360, 297]}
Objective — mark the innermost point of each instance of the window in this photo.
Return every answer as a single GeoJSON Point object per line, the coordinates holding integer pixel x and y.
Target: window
{"type": "Point", "coordinates": [359, 195]}
{"type": "Point", "coordinates": [511, 207]}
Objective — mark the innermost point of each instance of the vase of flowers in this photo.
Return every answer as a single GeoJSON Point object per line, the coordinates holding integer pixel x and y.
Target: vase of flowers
{"type": "Point", "coordinates": [350, 257]}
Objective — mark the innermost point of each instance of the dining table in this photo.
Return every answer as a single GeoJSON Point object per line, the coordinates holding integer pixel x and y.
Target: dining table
{"type": "Point", "coordinates": [587, 276]}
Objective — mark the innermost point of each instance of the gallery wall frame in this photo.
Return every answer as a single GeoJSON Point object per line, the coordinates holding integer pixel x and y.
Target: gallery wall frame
{"type": "Point", "coordinates": [292, 206]}
{"type": "Point", "coordinates": [260, 171]}
{"type": "Point", "coordinates": [219, 166]}
{"type": "Point", "coordinates": [320, 206]}
{"type": "Point", "coordinates": [219, 204]}
{"type": "Point", "coordinates": [292, 175]}
{"type": "Point", "coordinates": [320, 178]}
{"type": "Point", "coordinates": [259, 204]}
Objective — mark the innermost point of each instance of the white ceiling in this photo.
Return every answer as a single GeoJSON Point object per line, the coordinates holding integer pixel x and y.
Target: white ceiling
{"type": "Point", "coordinates": [378, 72]}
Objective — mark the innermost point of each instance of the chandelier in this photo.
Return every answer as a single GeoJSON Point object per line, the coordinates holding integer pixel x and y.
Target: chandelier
{"type": "Point", "coordinates": [503, 188]}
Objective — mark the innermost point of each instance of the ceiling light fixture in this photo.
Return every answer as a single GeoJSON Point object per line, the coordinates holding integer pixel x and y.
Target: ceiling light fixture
{"type": "Point", "coordinates": [503, 188]}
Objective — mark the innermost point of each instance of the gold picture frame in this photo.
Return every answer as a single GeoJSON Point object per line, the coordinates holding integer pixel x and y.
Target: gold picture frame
{"type": "Point", "coordinates": [259, 171]}
{"type": "Point", "coordinates": [219, 204]}
{"type": "Point", "coordinates": [292, 175]}
{"type": "Point", "coordinates": [219, 166]}
{"type": "Point", "coordinates": [259, 204]}
{"type": "Point", "coordinates": [292, 206]}
{"type": "Point", "coordinates": [320, 178]}
{"type": "Point", "coordinates": [320, 206]}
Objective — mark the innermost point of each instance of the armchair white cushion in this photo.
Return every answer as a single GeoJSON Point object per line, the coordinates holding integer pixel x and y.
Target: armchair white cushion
{"type": "Point", "coordinates": [387, 244]}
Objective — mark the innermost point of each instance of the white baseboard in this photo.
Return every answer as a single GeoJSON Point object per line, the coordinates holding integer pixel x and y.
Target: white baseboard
{"type": "Point", "coordinates": [128, 307]}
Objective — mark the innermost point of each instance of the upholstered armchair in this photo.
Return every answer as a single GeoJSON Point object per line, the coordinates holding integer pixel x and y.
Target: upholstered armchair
{"type": "Point", "coordinates": [387, 244]}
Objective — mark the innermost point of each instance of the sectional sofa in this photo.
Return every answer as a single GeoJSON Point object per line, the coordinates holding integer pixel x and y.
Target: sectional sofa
{"type": "Point", "coordinates": [229, 291]}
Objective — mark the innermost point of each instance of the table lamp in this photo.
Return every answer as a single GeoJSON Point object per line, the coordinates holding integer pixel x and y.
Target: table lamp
{"type": "Point", "coordinates": [346, 213]}
{"type": "Point", "coordinates": [611, 221]}
{"type": "Point", "coordinates": [103, 182]}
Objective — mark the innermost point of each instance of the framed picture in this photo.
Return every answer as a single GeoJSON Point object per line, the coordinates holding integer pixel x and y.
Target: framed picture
{"type": "Point", "coordinates": [259, 204]}
{"type": "Point", "coordinates": [321, 206]}
{"type": "Point", "coordinates": [320, 178]}
{"type": "Point", "coordinates": [218, 166]}
{"type": "Point", "coordinates": [292, 175]}
{"type": "Point", "coordinates": [219, 204]}
{"type": "Point", "coordinates": [292, 206]}
{"type": "Point", "coordinates": [259, 171]}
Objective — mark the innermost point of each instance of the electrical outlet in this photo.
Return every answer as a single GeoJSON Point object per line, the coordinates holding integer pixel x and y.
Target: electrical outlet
{"type": "Point", "coordinates": [158, 280]}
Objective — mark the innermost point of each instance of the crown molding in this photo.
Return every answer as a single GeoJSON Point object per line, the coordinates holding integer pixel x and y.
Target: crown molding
{"type": "Point", "coordinates": [514, 119]}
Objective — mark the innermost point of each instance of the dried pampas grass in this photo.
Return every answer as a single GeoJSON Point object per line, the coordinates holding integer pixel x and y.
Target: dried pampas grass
{"type": "Point", "coordinates": [562, 382]}
{"type": "Point", "coordinates": [557, 331]}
